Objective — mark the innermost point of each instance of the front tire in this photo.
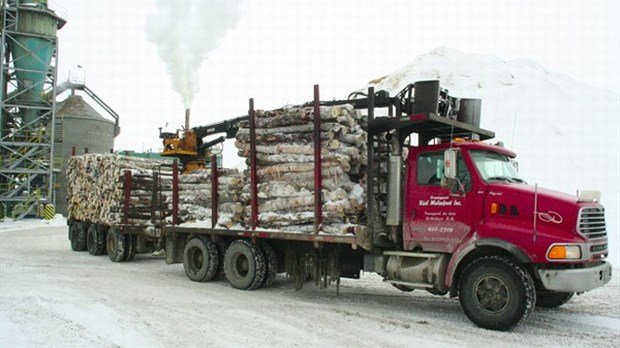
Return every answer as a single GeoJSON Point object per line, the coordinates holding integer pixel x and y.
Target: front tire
{"type": "Point", "coordinates": [496, 293]}
{"type": "Point", "coordinates": [201, 259]}
{"type": "Point", "coordinates": [244, 265]}
{"type": "Point", "coordinates": [552, 299]}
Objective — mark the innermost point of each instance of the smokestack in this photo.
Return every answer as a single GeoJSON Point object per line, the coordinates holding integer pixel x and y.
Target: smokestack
{"type": "Point", "coordinates": [187, 118]}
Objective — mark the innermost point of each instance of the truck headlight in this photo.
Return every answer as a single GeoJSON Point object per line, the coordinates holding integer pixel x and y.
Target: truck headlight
{"type": "Point", "coordinates": [564, 252]}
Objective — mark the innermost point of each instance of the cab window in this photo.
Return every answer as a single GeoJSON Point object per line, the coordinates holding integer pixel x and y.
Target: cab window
{"type": "Point", "coordinates": [430, 170]}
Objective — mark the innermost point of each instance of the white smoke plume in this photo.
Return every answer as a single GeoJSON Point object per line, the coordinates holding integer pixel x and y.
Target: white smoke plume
{"type": "Point", "coordinates": [184, 32]}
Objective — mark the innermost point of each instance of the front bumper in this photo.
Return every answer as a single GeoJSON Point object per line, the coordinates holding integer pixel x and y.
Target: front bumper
{"type": "Point", "coordinates": [576, 280]}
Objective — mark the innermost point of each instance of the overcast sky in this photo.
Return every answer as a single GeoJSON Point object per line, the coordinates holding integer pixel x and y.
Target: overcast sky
{"type": "Point", "coordinates": [280, 48]}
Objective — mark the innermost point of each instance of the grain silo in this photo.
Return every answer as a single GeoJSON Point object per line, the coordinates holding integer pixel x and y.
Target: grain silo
{"type": "Point", "coordinates": [80, 129]}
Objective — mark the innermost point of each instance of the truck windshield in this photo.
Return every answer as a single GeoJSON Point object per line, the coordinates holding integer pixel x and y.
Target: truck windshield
{"type": "Point", "coordinates": [494, 166]}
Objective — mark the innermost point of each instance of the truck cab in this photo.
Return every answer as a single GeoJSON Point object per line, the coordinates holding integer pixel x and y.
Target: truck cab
{"type": "Point", "coordinates": [486, 205]}
{"type": "Point", "coordinates": [462, 221]}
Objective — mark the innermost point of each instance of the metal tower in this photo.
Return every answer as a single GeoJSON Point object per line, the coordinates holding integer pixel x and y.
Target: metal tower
{"type": "Point", "coordinates": [28, 50]}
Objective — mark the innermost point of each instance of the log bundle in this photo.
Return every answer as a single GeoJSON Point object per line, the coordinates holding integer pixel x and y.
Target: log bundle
{"type": "Point", "coordinates": [195, 196]}
{"type": "Point", "coordinates": [96, 189]}
{"type": "Point", "coordinates": [285, 168]}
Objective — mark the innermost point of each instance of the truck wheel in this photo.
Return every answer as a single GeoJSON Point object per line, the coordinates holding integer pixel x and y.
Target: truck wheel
{"type": "Point", "coordinates": [552, 299]}
{"type": "Point", "coordinates": [115, 244]}
{"type": "Point", "coordinates": [95, 240]}
{"type": "Point", "coordinates": [244, 265]}
{"type": "Point", "coordinates": [201, 259]}
{"type": "Point", "coordinates": [271, 263]}
{"type": "Point", "coordinates": [77, 236]}
{"type": "Point", "coordinates": [130, 247]}
{"type": "Point", "coordinates": [496, 294]}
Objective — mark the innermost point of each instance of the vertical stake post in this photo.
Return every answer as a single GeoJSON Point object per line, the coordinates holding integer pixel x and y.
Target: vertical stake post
{"type": "Point", "coordinates": [214, 191]}
{"type": "Point", "coordinates": [253, 177]}
{"type": "Point", "coordinates": [318, 183]}
{"type": "Point", "coordinates": [370, 168]}
{"type": "Point", "coordinates": [127, 189]}
{"type": "Point", "coordinates": [175, 193]}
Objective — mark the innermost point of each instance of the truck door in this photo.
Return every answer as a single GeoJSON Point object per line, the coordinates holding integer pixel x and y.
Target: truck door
{"type": "Point", "coordinates": [437, 217]}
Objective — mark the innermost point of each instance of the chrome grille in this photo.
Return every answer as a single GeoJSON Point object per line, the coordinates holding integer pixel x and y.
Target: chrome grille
{"type": "Point", "coordinates": [592, 223]}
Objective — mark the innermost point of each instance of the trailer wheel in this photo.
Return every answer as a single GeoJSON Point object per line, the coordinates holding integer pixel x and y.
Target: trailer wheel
{"type": "Point", "coordinates": [130, 247]}
{"type": "Point", "coordinates": [244, 265]}
{"type": "Point", "coordinates": [201, 259]}
{"type": "Point", "coordinates": [115, 244]}
{"type": "Point", "coordinates": [552, 299]}
{"type": "Point", "coordinates": [271, 263]}
{"type": "Point", "coordinates": [496, 293]}
{"type": "Point", "coordinates": [221, 251]}
{"type": "Point", "coordinates": [77, 236]}
{"type": "Point", "coordinates": [95, 240]}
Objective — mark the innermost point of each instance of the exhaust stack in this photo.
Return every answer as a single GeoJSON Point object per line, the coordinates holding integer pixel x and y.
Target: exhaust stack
{"type": "Point", "coordinates": [187, 118]}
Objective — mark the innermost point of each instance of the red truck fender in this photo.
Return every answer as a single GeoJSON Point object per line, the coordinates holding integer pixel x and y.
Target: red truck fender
{"type": "Point", "coordinates": [475, 247]}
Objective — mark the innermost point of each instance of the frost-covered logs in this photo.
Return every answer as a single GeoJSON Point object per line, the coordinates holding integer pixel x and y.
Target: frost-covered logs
{"type": "Point", "coordinates": [195, 198]}
{"type": "Point", "coordinates": [96, 188]}
{"type": "Point", "coordinates": [285, 167]}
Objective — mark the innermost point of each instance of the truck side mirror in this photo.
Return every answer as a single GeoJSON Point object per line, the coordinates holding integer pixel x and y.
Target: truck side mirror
{"type": "Point", "coordinates": [449, 163]}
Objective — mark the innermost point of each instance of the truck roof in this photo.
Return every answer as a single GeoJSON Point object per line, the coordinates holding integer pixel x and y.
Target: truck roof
{"type": "Point", "coordinates": [473, 145]}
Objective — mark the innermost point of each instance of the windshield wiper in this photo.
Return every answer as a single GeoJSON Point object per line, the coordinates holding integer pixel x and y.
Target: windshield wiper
{"type": "Point", "coordinates": [519, 180]}
{"type": "Point", "coordinates": [500, 178]}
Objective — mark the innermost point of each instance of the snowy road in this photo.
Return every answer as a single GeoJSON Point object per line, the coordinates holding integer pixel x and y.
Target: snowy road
{"type": "Point", "coordinates": [51, 296]}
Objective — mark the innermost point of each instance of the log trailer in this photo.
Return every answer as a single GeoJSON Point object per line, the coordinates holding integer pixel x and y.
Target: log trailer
{"type": "Point", "coordinates": [140, 227]}
{"type": "Point", "coordinates": [448, 214]}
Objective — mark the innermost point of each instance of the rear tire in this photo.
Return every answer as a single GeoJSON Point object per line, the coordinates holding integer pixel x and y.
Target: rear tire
{"type": "Point", "coordinates": [552, 299]}
{"type": "Point", "coordinates": [201, 259]}
{"type": "Point", "coordinates": [130, 247]}
{"type": "Point", "coordinates": [95, 240]}
{"type": "Point", "coordinates": [115, 245]}
{"type": "Point", "coordinates": [77, 236]}
{"type": "Point", "coordinates": [244, 265]}
{"type": "Point", "coordinates": [496, 293]}
{"type": "Point", "coordinates": [271, 263]}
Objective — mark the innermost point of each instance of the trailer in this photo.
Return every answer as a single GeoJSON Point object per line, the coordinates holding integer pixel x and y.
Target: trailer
{"type": "Point", "coordinates": [135, 225]}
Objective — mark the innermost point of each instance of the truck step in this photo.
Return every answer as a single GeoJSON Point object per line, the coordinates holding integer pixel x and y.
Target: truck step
{"type": "Point", "coordinates": [413, 285]}
{"type": "Point", "coordinates": [411, 254]}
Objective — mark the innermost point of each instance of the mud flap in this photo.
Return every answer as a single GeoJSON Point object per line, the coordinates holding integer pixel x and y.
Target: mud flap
{"type": "Point", "coordinates": [175, 244]}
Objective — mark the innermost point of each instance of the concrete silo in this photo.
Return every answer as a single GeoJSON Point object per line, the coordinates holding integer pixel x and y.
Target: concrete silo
{"type": "Point", "coordinates": [80, 129]}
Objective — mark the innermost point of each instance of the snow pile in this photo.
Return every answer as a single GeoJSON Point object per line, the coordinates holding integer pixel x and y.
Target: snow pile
{"type": "Point", "coordinates": [565, 132]}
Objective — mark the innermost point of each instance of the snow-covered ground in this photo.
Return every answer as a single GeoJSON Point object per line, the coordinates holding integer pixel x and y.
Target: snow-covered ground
{"type": "Point", "coordinates": [51, 296]}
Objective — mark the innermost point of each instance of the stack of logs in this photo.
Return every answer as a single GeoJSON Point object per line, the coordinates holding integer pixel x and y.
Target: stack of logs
{"type": "Point", "coordinates": [96, 189]}
{"type": "Point", "coordinates": [195, 196]}
{"type": "Point", "coordinates": [285, 168]}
